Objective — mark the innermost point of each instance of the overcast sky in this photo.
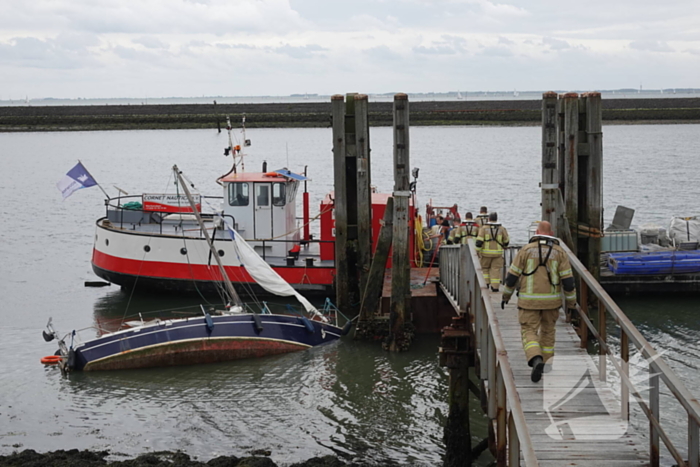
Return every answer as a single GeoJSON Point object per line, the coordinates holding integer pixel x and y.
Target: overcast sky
{"type": "Point", "coordinates": [191, 48]}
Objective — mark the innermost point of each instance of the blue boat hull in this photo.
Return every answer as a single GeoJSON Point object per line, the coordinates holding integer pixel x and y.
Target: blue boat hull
{"type": "Point", "coordinates": [201, 340]}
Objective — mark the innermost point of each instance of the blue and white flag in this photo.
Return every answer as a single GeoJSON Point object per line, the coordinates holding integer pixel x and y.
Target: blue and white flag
{"type": "Point", "coordinates": [78, 177]}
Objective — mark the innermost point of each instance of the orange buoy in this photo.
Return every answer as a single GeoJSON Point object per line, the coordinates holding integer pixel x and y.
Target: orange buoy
{"type": "Point", "coordinates": [51, 359]}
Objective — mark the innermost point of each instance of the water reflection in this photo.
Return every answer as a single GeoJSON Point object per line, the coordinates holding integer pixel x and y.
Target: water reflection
{"type": "Point", "coordinates": [348, 398]}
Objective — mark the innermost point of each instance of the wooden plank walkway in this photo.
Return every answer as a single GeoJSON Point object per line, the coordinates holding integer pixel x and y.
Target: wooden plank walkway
{"type": "Point", "coordinates": [573, 418]}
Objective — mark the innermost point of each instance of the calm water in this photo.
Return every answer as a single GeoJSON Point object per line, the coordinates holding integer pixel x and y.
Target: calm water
{"type": "Point", "coordinates": [348, 398]}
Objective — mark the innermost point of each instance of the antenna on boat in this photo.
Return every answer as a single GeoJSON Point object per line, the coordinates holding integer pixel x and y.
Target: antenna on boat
{"type": "Point", "coordinates": [229, 286]}
{"type": "Point", "coordinates": [245, 143]}
{"type": "Point", "coordinates": [235, 151]}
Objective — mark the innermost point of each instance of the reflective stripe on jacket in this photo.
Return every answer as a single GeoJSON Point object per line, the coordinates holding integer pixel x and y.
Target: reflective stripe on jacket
{"type": "Point", "coordinates": [494, 238]}
{"type": "Point", "coordinates": [540, 287]}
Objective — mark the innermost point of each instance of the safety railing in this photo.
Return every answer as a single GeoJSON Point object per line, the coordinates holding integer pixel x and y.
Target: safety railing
{"type": "Point", "coordinates": [659, 371]}
{"type": "Point", "coordinates": [463, 283]}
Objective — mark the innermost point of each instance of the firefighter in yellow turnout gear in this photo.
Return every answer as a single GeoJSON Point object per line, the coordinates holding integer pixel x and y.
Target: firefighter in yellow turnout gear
{"type": "Point", "coordinates": [491, 240]}
{"type": "Point", "coordinates": [461, 233]}
{"type": "Point", "coordinates": [470, 228]}
{"type": "Point", "coordinates": [543, 268]}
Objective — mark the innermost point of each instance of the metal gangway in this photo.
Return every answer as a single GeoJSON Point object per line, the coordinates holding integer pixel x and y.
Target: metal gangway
{"type": "Point", "coordinates": [579, 414]}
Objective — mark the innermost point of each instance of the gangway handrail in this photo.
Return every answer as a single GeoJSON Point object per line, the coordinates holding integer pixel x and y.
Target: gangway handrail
{"type": "Point", "coordinates": [658, 368]}
{"type": "Point", "coordinates": [459, 265]}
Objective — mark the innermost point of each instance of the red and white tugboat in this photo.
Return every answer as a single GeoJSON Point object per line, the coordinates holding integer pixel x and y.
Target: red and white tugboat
{"type": "Point", "coordinates": [153, 241]}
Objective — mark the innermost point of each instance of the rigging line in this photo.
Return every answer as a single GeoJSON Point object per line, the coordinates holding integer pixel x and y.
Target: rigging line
{"type": "Point", "coordinates": [217, 286]}
{"type": "Point", "coordinates": [138, 275]}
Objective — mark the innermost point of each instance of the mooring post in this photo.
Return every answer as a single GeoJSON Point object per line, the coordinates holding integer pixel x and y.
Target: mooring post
{"type": "Point", "coordinates": [570, 147]}
{"type": "Point", "coordinates": [372, 293]}
{"type": "Point", "coordinates": [340, 202]}
{"type": "Point", "coordinates": [400, 267]}
{"type": "Point", "coordinates": [456, 354]}
{"type": "Point", "coordinates": [364, 194]}
{"type": "Point", "coordinates": [351, 216]}
{"type": "Point", "coordinates": [594, 180]}
{"type": "Point", "coordinates": [550, 174]}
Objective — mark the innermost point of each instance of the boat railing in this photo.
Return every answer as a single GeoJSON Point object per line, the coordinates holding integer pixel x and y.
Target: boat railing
{"type": "Point", "coordinates": [121, 214]}
{"type": "Point", "coordinates": [463, 283]}
{"type": "Point", "coordinates": [658, 370]}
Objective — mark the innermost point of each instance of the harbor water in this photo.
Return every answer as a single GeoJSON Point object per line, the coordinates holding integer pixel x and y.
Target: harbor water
{"type": "Point", "coordinates": [350, 398]}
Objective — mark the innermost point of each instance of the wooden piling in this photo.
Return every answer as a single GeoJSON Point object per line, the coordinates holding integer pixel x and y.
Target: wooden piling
{"type": "Point", "coordinates": [342, 276]}
{"type": "Point", "coordinates": [364, 194]}
{"type": "Point", "coordinates": [353, 222]}
{"type": "Point", "coordinates": [456, 355]}
{"type": "Point", "coordinates": [372, 293]}
{"type": "Point", "coordinates": [594, 180]}
{"type": "Point", "coordinates": [550, 174]}
{"type": "Point", "coordinates": [570, 109]}
{"type": "Point", "coordinates": [400, 268]}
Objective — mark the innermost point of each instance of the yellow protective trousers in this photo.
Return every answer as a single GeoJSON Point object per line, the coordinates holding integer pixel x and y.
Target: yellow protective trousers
{"type": "Point", "coordinates": [537, 330]}
{"type": "Point", "coordinates": [492, 267]}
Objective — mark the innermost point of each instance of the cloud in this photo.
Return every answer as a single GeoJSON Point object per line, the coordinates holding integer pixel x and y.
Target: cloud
{"type": "Point", "coordinates": [505, 41]}
{"type": "Point", "coordinates": [306, 51]}
{"type": "Point", "coordinates": [150, 42]}
{"type": "Point", "coordinates": [651, 46]}
{"type": "Point", "coordinates": [497, 52]}
{"type": "Point", "coordinates": [381, 53]}
{"type": "Point", "coordinates": [555, 44]}
{"type": "Point", "coordinates": [435, 50]}
{"type": "Point", "coordinates": [30, 52]}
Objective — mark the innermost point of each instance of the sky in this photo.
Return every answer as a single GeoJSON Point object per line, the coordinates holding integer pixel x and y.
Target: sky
{"type": "Point", "coordinates": [192, 48]}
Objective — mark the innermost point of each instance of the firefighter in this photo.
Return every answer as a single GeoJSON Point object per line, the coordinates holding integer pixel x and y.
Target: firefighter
{"type": "Point", "coordinates": [483, 217]}
{"type": "Point", "coordinates": [457, 235]}
{"type": "Point", "coordinates": [544, 269]}
{"type": "Point", "coordinates": [470, 228]}
{"type": "Point", "coordinates": [490, 242]}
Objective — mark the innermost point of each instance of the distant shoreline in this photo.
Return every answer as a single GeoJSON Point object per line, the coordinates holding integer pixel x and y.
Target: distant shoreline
{"type": "Point", "coordinates": [317, 114]}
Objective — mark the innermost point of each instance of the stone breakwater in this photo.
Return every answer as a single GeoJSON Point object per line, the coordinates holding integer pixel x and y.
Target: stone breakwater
{"type": "Point", "coordinates": [76, 458]}
{"type": "Point", "coordinates": [318, 114]}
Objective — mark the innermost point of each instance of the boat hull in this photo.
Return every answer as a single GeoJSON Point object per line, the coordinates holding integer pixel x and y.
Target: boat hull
{"type": "Point", "coordinates": [169, 263]}
{"type": "Point", "coordinates": [194, 341]}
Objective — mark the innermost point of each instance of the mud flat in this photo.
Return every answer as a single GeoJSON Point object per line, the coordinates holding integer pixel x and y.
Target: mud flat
{"type": "Point", "coordinates": [318, 114]}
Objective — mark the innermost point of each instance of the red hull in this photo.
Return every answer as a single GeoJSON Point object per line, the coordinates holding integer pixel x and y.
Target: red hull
{"type": "Point", "coordinates": [151, 270]}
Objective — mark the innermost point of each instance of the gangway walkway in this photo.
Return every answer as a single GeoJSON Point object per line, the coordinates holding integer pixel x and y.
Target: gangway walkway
{"type": "Point", "coordinates": [572, 419]}
{"type": "Point", "coordinates": [578, 414]}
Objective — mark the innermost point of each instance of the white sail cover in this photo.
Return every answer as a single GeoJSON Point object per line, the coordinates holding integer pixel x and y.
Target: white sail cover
{"type": "Point", "coordinates": [264, 275]}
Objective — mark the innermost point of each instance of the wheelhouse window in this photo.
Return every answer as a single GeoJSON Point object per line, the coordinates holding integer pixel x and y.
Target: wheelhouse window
{"type": "Point", "coordinates": [278, 190]}
{"type": "Point", "coordinates": [262, 193]}
{"type": "Point", "coordinates": [238, 194]}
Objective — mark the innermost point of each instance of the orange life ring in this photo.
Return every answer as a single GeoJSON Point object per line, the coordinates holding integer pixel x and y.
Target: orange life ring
{"type": "Point", "coordinates": [51, 359]}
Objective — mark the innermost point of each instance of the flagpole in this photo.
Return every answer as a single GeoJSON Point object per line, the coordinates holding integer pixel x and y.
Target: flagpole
{"type": "Point", "coordinates": [86, 169]}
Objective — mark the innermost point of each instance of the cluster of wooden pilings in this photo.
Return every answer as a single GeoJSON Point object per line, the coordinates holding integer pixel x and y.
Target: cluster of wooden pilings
{"type": "Point", "coordinates": [572, 172]}
{"type": "Point", "coordinates": [359, 273]}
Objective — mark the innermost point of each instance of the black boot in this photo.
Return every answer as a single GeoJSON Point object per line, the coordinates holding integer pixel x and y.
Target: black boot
{"type": "Point", "coordinates": [537, 365]}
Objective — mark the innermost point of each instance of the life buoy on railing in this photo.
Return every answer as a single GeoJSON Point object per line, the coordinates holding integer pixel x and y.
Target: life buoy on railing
{"type": "Point", "coordinates": [51, 359]}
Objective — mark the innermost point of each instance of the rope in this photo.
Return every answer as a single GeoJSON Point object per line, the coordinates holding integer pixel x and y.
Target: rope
{"type": "Point", "coordinates": [583, 230]}
{"type": "Point", "coordinates": [420, 244]}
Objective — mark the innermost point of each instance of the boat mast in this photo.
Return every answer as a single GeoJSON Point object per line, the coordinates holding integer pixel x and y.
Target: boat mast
{"type": "Point", "coordinates": [229, 286]}
{"type": "Point", "coordinates": [237, 151]}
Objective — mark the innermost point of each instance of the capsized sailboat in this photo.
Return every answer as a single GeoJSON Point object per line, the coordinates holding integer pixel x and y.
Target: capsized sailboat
{"type": "Point", "coordinates": [217, 335]}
